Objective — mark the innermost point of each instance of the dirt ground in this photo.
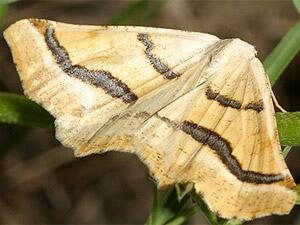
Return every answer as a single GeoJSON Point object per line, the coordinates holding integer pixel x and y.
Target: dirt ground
{"type": "Point", "coordinates": [43, 183]}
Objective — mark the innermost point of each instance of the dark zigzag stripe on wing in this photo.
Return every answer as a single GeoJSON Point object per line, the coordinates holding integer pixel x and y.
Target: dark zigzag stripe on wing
{"type": "Point", "coordinates": [223, 100]}
{"type": "Point", "coordinates": [228, 102]}
{"type": "Point", "coordinates": [98, 78]}
{"type": "Point", "coordinates": [223, 148]}
{"type": "Point", "coordinates": [158, 65]}
{"type": "Point", "coordinates": [257, 106]}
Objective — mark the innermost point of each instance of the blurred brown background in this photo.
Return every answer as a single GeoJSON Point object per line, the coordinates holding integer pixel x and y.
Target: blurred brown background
{"type": "Point", "coordinates": [41, 182]}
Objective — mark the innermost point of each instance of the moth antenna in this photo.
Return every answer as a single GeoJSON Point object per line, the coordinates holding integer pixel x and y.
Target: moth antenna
{"type": "Point", "coordinates": [277, 105]}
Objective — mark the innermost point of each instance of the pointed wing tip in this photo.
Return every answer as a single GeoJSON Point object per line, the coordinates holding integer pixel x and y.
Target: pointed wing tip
{"type": "Point", "coordinates": [11, 33]}
{"type": "Point", "coordinates": [237, 48]}
{"type": "Point", "coordinates": [19, 23]}
{"type": "Point", "coordinates": [23, 24]}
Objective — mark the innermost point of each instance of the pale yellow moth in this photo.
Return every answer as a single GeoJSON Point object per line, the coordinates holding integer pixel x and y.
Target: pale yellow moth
{"type": "Point", "coordinates": [194, 108]}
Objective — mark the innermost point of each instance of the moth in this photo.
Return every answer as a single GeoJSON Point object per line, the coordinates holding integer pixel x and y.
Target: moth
{"type": "Point", "coordinates": [194, 108]}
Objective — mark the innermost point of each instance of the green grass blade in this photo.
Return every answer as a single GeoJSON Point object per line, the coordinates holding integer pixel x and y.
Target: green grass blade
{"type": "Point", "coordinates": [155, 207]}
{"type": "Point", "coordinates": [17, 109]}
{"type": "Point", "coordinates": [288, 125]}
{"type": "Point", "coordinates": [297, 5]}
{"type": "Point", "coordinates": [166, 208]}
{"type": "Point", "coordinates": [283, 53]}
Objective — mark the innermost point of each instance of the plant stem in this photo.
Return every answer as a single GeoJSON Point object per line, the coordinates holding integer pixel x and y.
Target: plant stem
{"type": "Point", "coordinates": [234, 222]}
{"type": "Point", "coordinates": [153, 216]}
{"type": "Point", "coordinates": [168, 208]}
{"type": "Point", "coordinates": [184, 216]}
{"type": "Point", "coordinates": [213, 219]}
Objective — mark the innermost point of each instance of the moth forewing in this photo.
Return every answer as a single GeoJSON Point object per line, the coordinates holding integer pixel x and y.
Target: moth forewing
{"type": "Point", "coordinates": [194, 108]}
